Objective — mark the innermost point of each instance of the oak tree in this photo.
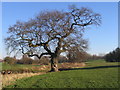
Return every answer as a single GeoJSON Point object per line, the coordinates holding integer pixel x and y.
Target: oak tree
{"type": "Point", "coordinates": [51, 33]}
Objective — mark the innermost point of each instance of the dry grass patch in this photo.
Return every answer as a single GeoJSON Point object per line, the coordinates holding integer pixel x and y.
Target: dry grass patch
{"type": "Point", "coordinates": [71, 65]}
{"type": "Point", "coordinates": [9, 79]}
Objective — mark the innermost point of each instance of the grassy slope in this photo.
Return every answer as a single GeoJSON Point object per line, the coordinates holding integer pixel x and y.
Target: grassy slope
{"type": "Point", "coordinates": [81, 78]}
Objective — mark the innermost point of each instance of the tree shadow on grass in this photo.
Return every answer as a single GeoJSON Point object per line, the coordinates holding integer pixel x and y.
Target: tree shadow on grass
{"type": "Point", "coordinates": [97, 67]}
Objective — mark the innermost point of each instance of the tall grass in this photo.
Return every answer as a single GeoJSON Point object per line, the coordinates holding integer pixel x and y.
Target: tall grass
{"type": "Point", "coordinates": [9, 79]}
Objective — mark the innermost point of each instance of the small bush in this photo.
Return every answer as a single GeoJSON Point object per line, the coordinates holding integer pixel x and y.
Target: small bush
{"type": "Point", "coordinates": [10, 60]}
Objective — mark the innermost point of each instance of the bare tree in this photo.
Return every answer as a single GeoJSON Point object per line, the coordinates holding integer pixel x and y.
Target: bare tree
{"type": "Point", "coordinates": [76, 55]}
{"type": "Point", "coordinates": [51, 33]}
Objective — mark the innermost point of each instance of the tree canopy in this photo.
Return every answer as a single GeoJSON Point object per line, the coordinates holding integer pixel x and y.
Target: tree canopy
{"type": "Point", "coordinates": [52, 32]}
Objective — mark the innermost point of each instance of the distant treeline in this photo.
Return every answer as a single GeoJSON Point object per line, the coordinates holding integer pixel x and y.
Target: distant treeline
{"type": "Point", "coordinates": [72, 57]}
{"type": "Point", "coordinates": [113, 56]}
{"type": "Point", "coordinates": [26, 60]}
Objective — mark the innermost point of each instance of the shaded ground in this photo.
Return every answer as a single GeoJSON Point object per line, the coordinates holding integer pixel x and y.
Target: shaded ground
{"type": "Point", "coordinates": [97, 67]}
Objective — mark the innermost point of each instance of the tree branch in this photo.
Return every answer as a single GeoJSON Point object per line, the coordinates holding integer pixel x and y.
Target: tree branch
{"type": "Point", "coordinates": [38, 55]}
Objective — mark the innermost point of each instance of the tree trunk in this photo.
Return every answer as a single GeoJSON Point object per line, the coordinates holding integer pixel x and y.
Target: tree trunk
{"type": "Point", "coordinates": [54, 64]}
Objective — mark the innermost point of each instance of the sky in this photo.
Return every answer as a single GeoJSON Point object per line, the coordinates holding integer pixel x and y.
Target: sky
{"type": "Point", "coordinates": [102, 39]}
{"type": "Point", "coordinates": [119, 25]}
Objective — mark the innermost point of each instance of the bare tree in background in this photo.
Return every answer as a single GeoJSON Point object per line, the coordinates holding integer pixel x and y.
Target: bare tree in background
{"type": "Point", "coordinates": [76, 55]}
{"type": "Point", "coordinates": [51, 33]}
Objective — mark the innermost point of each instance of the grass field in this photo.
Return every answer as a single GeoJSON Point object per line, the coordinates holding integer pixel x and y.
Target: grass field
{"type": "Point", "coordinates": [97, 74]}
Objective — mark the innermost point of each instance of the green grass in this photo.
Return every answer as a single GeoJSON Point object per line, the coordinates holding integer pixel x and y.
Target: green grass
{"type": "Point", "coordinates": [6, 66]}
{"type": "Point", "coordinates": [81, 78]}
{"type": "Point", "coordinates": [100, 62]}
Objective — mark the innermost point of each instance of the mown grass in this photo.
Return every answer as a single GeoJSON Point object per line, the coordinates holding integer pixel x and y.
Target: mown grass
{"type": "Point", "coordinates": [100, 62]}
{"type": "Point", "coordinates": [101, 77]}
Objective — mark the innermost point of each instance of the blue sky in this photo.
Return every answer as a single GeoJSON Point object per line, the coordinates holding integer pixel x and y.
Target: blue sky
{"type": "Point", "coordinates": [101, 39]}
